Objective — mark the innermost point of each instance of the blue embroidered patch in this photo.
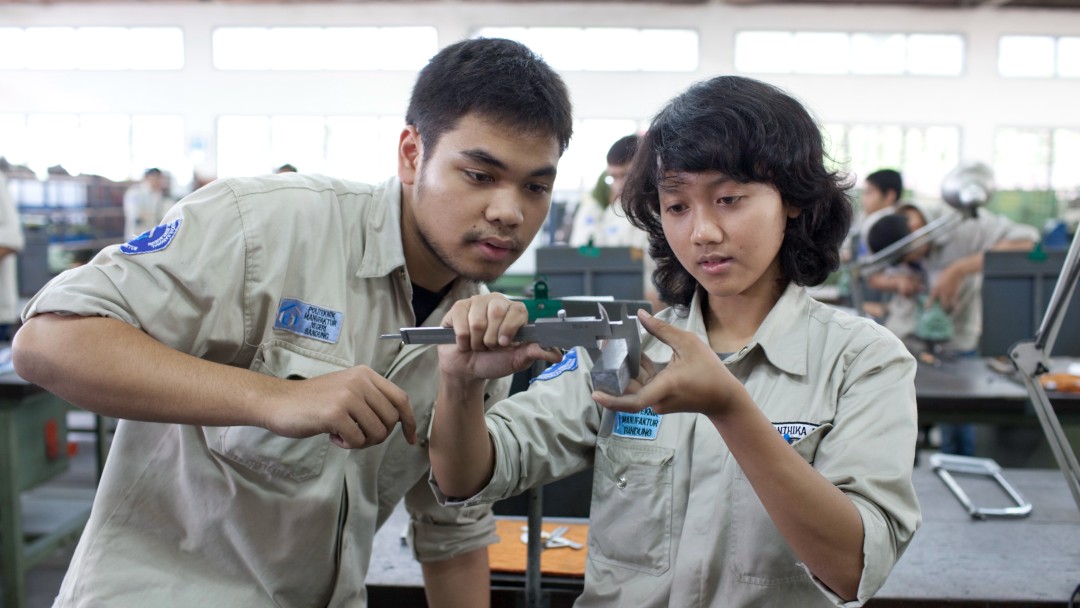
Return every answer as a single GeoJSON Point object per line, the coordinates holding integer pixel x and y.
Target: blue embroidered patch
{"type": "Point", "coordinates": [308, 320]}
{"type": "Point", "coordinates": [642, 425]}
{"type": "Point", "coordinates": [155, 239]}
{"type": "Point", "coordinates": [568, 363]}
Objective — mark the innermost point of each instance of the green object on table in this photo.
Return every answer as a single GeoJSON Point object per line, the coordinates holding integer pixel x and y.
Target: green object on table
{"type": "Point", "coordinates": [932, 324]}
{"type": "Point", "coordinates": [1038, 254]}
{"type": "Point", "coordinates": [540, 306]}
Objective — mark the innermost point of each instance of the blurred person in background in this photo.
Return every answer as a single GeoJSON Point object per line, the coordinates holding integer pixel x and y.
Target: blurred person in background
{"type": "Point", "coordinates": [11, 243]}
{"type": "Point", "coordinates": [146, 202]}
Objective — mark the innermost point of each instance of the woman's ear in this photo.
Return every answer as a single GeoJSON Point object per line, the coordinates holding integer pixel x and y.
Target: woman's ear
{"type": "Point", "coordinates": [792, 211]}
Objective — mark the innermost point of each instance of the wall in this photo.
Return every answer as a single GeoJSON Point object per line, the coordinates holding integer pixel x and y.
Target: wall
{"type": "Point", "coordinates": [978, 101]}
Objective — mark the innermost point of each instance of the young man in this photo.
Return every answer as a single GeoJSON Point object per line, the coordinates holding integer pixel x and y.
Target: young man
{"type": "Point", "coordinates": [238, 341]}
{"type": "Point", "coordinates": [145, 203]}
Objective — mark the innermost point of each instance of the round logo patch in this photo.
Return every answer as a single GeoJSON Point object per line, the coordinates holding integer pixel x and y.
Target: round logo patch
{"type": "Point", "coordinates": [155, 239]}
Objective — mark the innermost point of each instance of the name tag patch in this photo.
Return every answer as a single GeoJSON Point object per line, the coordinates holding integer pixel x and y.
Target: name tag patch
{"type": "Point", "coordinates": [155, 239]}
{"type": "Point", "coordinates": [794, 431]}
{"type": "Point", "coordinates": [642, 425]}
{"type": "Point", "coordinates": [568, 363]}
{"type": "Point", "coordinates": [308, 320]}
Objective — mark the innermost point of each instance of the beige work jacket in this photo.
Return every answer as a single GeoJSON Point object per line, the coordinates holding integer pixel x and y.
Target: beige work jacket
{"type": "Point", "coordinates": [673, 521]}
{"type": "Point", "coordinates": [293, 276]}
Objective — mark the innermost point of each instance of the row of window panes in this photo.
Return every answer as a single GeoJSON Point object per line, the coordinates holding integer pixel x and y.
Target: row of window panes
{"type": "Point", "coordinates": [409, 48]}
{"type": "Point", "coordinates": [566, 48]}
{"type": "Point", "coordinates": [922, 154]}
{"type": "Point", "coordinates": [1039, 56]}
{"type": "Point", "coordinates": [323, 48]}
{"type": "Point", "coordinates": [364, 147]}
{"type": "Point", "coordinates": [607, 48]}
{"type": "Point", "coordinates": [115, 146]}
{"type": "Point", "coordinates": [778, 52]}
{"type": "Point", "coordinates": [91, 48]}
{"type": "Point", "coordinates": [120, 147]}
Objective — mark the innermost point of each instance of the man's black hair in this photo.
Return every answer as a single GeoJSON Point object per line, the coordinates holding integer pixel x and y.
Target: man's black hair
{"type": "Point", "coordinates": [622, 151]}
{"type": "Point", "coordinates": [751, 132]}
{"type": "Point", "coordinates": [499, 80]}
{"type": "Point", "coordinates": [887, 181]}
{"type": "Point", "coordinates": [886, 231]}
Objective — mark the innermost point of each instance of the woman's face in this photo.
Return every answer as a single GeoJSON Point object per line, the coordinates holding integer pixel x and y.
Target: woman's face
{"type": "Point", "coordinates": [726, 234]}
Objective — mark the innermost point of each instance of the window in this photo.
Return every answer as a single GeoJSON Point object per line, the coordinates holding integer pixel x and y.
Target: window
{"type": "Point", "coordinates": [91, 48]}
{"type": "Point", "coordinates": [923, 154]}
{"type": "Point", "coordinates": [355, 147]}
{"type": "Point", "coordinates": [116, 146]}
{"type": "Point", "coordinates": [1037, 159]}
{"type": "Point", "coordinates": [323, 48]}
{"type": "Point", "coordinates": [600, 49]}
{"type": "Point", "coordinates": [1039, 57]}
{"type": "Point", "coordinates": [779, 52]}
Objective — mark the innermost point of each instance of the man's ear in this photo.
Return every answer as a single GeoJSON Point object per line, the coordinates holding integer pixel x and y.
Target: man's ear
{"type": "Point", "coordinates": [410, 150]}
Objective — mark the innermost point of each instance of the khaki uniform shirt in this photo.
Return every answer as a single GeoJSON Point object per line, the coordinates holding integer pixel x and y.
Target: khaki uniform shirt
{"type": "Point", "coordinates": [673, 521]}
{"type": "Point", "coordinates": [292, 276]}
{"type": "Point", "coordinates": [965, 238]}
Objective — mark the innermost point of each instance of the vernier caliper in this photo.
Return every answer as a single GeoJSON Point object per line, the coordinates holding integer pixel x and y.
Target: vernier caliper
{"type": "Point", "coordinates": [615, 363]}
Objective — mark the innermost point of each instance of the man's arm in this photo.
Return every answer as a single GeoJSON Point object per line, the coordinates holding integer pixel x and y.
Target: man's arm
{"type": "Point", "coordinates": [463, 581]}
{"type": "Point", "coordinates": [947, 287]}
{"type": "Point", "coordinates": [111, 368]}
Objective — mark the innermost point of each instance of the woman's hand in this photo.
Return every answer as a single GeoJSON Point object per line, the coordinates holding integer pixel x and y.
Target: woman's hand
{"type": "Point", "coordinates": [695, 380]}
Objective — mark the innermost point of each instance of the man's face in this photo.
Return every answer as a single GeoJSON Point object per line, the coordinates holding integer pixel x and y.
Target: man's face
{"type": "Point", "coordinates": [472, 206]}
{"type": "Point", "coordinates": [616, 178]}
{"type": "Point", "coordinates": [873, 199]}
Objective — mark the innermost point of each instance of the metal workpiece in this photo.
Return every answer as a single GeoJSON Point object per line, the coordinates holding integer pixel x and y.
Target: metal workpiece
{"type": "Point", "coordinates": [615, 346]}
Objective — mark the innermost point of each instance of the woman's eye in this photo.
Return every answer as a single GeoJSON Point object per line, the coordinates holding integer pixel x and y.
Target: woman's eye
{"type": "Point", "coordinates": [729, 200]}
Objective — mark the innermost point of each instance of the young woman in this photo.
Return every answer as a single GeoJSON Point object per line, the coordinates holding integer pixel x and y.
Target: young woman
{"type": "Point", "coordinates": [763, 456]}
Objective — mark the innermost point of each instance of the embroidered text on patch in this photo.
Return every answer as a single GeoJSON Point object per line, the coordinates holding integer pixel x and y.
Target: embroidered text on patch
{"type": "Point", "coordinates": [308, 320]}
{"type": "Point", "coordinates": [155, 239]}
{"type": "Point", "coordinates": [794, 431]}
{"type": "Point", "coordinates": [568, 363]}
{"type": "Point", "coordinates": [642, 425]}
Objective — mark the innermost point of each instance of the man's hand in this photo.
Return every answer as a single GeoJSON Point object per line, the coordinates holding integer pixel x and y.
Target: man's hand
{"type": "Point", "coordinates": [484, 327]}
{"type": "Point", "coordinates": [695, 380]}
{"type": "Point", "coordinates": [907, 285]}
{"type": "Point", "coordinates": [946, 289]}
{"type": "Point", "coordinates": [356, 406]}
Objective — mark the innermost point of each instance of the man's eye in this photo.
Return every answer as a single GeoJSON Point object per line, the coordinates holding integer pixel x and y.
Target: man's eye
{"type": "Point", "coordinates": [538, 188]}
{"type": "Point", "coordinates": [729, 200]}
{"type": "Point", "coordinates": [479, 177]}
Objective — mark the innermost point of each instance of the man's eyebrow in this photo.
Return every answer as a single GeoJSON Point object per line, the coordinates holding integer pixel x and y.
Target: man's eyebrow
{"type": "Point", "coordinates": [483, 156]}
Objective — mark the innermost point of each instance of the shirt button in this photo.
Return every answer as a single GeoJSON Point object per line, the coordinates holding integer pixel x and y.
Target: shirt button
{"type": "Point", "coordinates": [423, 443]}
{"type": "Point", "coordinates": [621, 483]}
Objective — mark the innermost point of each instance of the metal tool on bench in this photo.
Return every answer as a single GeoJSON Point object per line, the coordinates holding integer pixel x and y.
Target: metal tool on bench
{"type": "Point", "coordinates": [616, 361]}
{"type": "Point", "coordinates": [946, 464]}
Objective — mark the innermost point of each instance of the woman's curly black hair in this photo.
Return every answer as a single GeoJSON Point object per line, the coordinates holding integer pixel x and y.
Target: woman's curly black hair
{"type": "Point", "coordinates": [751, 132]}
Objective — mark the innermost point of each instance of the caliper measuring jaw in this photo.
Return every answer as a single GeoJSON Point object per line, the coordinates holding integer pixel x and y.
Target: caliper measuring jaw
{"type": "Point", "coordinates": [615, 346]}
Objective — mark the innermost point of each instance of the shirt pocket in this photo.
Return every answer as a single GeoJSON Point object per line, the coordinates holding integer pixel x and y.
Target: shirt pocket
{"type": "Point", "coordinates": [632, 486]}
{"type": "Point", "coordinates": [760, 554]}
{"type": "Point", "coordinates": [269, 455]}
